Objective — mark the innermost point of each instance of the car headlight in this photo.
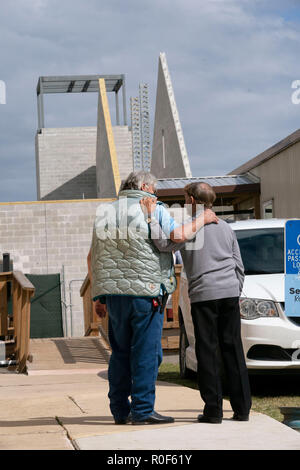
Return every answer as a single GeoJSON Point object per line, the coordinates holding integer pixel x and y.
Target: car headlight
{"type": "Point", "coordinates": [256, 308]}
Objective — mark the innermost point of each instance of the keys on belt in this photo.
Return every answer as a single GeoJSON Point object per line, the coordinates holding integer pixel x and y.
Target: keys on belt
{"type": "Point", "coordinates": [160, 301]}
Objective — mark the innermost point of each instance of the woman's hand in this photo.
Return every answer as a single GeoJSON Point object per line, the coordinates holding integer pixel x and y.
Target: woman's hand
{"type": "Point", "coordinates": [148, 205]}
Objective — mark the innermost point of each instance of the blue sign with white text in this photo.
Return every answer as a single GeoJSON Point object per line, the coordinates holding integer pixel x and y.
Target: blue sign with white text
{"type": "Point", "coordinates": [292, 268]}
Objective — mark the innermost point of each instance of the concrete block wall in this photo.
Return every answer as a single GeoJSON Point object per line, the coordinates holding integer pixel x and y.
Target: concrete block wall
{"type": "Point", "coordinates": [49, 238]}
{"type": "Point", "coordinates": [66, 161]}
{"type": "Point", "coordinates": [123, 143]}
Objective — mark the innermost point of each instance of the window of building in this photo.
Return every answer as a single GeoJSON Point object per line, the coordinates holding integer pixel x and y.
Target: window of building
{"type": "Point", "coordinates": [268, 209]}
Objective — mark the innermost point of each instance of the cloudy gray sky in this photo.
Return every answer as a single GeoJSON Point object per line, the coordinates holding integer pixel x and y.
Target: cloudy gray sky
{"type": "Point", "coordinates": [232, 63]}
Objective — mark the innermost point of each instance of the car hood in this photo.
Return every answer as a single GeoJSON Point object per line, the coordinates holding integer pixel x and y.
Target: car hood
{"type": "Point", "coordinates": [264, 286]}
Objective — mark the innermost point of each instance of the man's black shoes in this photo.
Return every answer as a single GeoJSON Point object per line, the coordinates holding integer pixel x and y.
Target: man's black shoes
{"type": "Point", "coordinates": [123, 420]}
{"type": "Point", "coordinates": [155, 418]}
{"type": "Point", "coordinates": [238, 417]}
{"type": "Point", "coordinates": [209, 419]}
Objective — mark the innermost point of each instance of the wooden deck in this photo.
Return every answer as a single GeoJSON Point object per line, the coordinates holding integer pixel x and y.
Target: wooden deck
{"type": "Point", "coordinates": [68, 355]}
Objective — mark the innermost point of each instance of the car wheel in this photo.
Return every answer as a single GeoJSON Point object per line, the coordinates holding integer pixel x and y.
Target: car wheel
{"type": "Point", "coordinates": [185, 373]}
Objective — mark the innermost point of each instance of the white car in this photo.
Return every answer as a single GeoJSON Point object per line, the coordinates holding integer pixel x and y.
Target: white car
{"type": "Point", "coordinates": [271, 339]}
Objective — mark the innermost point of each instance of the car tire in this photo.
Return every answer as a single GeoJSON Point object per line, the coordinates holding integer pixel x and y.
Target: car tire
{"type": "Point", "coordinates": [185, 373]}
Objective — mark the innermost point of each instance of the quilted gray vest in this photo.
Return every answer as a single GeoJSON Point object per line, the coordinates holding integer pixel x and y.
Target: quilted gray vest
{"type": "Point", "coordinates": [124, 259]}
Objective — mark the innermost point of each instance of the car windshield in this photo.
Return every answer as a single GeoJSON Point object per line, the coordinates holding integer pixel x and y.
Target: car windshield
{"type": "Point", "coordinates": [262, 250]}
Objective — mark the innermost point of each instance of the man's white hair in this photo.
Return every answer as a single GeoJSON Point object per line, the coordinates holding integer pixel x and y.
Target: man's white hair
{"type": "Point", "coordinates": [137, 178]}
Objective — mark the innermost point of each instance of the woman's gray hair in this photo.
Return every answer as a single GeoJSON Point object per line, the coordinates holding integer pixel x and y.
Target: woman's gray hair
{"type": "Point", "coordinates": [136, 179]}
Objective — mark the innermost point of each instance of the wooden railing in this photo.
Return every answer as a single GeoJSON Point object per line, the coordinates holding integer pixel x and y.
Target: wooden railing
{"type": "Point", "coordinates": [170, 336]}
{"type": "Point", "coordinates": [91, 320]}
{"type": "Point", "coordinates": [15, 327]}
{"type": "Point", "coordinates": [93, 324]}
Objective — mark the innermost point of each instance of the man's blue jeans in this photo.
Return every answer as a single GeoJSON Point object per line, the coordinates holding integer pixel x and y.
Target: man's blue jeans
{"type": "Point", "coordinates": [135, 329]}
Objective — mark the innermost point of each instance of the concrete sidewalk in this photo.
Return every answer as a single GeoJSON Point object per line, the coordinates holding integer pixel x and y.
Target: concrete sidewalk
{"type": "Point", "coordinates": [68, 409]}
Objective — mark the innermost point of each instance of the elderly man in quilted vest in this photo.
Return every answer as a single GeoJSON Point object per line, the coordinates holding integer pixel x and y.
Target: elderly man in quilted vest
{"type": "Point", "coordinates": [131, 280]}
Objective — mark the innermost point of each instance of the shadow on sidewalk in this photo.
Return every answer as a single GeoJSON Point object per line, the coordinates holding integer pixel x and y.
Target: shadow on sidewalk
{"type": "Point", "coordinates": [87, 350]}
{"type": "Point", "coordinates": [82, 421]}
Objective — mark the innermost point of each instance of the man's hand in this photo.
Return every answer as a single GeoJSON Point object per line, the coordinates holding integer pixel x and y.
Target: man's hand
{"type": "Point", "coordinates": [100, 309]}
{"type": "Point", "coordinates": [210, 217]}
{"type": "Point", "coordinates": [148, 205]}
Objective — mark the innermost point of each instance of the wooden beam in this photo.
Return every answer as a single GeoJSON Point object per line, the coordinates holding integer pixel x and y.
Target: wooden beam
{"type": "Point", "coordinates": [25, 329]}
{"type": "Point", "coordinates": [24, 282]}
{"type": "Point", "coordinates": [3, 308]}
{"type": "Point", "coordinates": [85, 286]}
{"type": "Point", "coordinates": [257, 211]}
{"type": "Point", "coordinates": [233, 189]}
{"type": "Point", "coordinates": [17, 291]}
{"type": "Point", "coordinates": [6, 276]}
{"type": "Point", "coordinates": [243, 198]}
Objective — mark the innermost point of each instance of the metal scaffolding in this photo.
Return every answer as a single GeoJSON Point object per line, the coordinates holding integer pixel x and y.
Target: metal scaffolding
{"type": "Point", "coordinates": [140, 124]}
{"type": "Point", "coordinates": [136, 134]}
{"type": "Point", "coordinates": [145, 126]}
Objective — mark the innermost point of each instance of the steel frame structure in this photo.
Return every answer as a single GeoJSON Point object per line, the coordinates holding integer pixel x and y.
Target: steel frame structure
{"type": "Point", "coordinates": [80, 84]}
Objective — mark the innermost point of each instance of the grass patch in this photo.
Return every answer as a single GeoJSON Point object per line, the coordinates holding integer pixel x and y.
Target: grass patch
{"type": "Point", "coordinates": [170, 373]}
{"type": "Point", "coordinates": [269, 393]}
{"type": "Point", "coordinates": [270, 405]}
